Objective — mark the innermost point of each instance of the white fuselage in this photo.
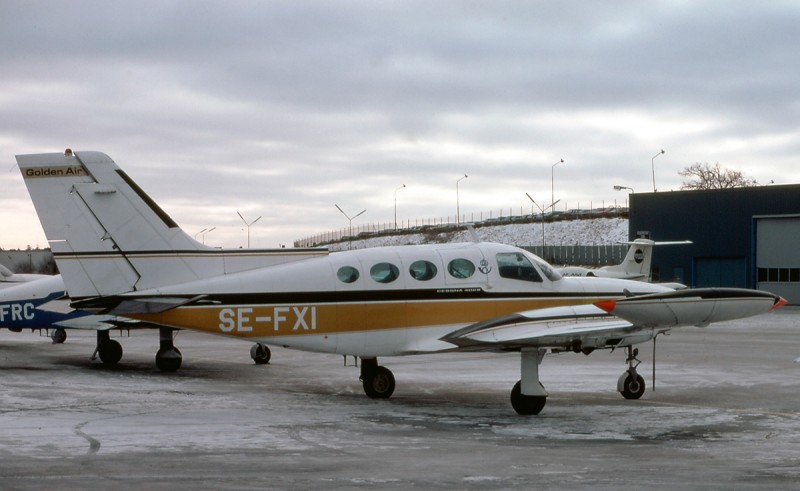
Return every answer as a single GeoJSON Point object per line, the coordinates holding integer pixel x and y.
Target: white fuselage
{"type": "Point", "coordinates": [381, 301]}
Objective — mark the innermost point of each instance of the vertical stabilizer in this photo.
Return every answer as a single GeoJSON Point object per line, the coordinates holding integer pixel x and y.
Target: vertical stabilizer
{"type": "Point", "coordinates": [101, 226]}
{"type": "Point", "coordinates": [636, 264]}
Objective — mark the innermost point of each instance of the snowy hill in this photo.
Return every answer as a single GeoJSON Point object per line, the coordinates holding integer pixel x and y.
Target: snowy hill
{"type": "Point", "coordinates": [593, 231]}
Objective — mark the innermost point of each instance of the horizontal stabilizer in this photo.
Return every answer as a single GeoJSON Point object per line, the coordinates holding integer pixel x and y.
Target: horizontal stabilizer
{"type": "Point", "coordinates": [120, 305]}
{"type": "Point", "coordinates": [151, 305]}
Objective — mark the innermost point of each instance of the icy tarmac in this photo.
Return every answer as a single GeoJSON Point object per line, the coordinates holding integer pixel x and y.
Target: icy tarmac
{"type": "Point", "coordinates": [725, 415]}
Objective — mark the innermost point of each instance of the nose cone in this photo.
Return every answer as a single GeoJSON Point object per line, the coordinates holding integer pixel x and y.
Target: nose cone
{"type": "Point", "coordinates": [779, 302]}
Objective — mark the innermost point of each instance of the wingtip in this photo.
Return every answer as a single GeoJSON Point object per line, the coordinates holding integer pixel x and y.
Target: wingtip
{"type": "Point", "coordinates": [607, 305]}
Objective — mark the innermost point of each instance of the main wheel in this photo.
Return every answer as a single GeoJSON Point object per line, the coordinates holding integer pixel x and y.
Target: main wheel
{"type": "Point", "coordinates": [260, 353]}
{"type": "Point", "coordinates": [169, 359]}
{"type": "Point", "coordinates": [58, 336]}
{"type": "Point", "coordinates": [110, 352]}
{"type": "Point", "coordinates": [633, 387]}
{"type": "Point", "coordinates": [526, 405]}
{"type": "Point", "coordinates": [379, 383]}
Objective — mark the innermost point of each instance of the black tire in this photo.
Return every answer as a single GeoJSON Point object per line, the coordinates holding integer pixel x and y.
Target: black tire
{"type": "Point", "coordinates": [169, 360]}
{"type": "Point", "coordinates": [260, 354]}
{"type": "Point", "coordinates": [526, 405]}
{"type": "Point", "coordinates": [58, 336]}
{"type": "Point", "coordinates": [634, 387]}
{"type": "Point", "coordinates": [379, 384]}
{"type": "Point", "coordinates": [110, 352]}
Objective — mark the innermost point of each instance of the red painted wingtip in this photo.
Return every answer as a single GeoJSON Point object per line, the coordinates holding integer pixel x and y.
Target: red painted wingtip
{"type": "Point", "coordinates": [607, 305]}
{"type": "Point", "coordinates": [780, 302]}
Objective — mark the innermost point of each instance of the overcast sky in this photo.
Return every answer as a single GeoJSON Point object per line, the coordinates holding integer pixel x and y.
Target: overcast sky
{"type": "Point", "coordinates": [283, 109]}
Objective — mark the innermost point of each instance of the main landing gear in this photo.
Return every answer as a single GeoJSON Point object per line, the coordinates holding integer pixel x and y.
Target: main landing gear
{"type": "Point", "coordinates": [630, 384]}
{"type": "Point", "coordinates": [168, 357]}
{"type": "Point", "coordinates": [378, 381]}
{"type": "Point", "coordinates": [260, 353]}
{"type": "Point", "coordinates": [528, 395]}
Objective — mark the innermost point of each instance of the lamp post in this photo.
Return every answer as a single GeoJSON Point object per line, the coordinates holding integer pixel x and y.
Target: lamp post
{"type": "Point", "coordinates": [653, 168]}
{"type": "Point", "coordinates": [350, 246]}
{"type": "Point", "coordinates": [200, 232]}
{"type": "Point", "coordinates": [458, 208]}
{"type": "Point", "coordinates": [542, 210]}
{"type": "Point", "coordinates": [248, 226]}
{"type": "Point", "coordinates": [620, 188]}
{"type": "Point", "coordinates": [552, 173]}
{"type": "Point", "coordinates": [209, 231]}
{"type": "Point", "coordinates": [395, 205]}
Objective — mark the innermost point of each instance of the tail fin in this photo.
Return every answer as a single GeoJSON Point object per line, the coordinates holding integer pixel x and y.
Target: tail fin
{"type": "Point", "coordinates": [109, 237]}
{"type": "Point", "coordinates": [636, 264]}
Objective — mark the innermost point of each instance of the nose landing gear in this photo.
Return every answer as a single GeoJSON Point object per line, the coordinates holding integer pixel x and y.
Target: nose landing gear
{"type": "Point", "coordinates": [630, 384]}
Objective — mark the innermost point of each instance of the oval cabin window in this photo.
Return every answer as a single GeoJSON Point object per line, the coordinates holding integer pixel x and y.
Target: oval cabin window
{"type": "Point", "coordinates": [461, 268]}
{"type": "Point", "coordinates": [422, 270]}
{"type": "Point", "coordinates": [384, 272]}
{"type": "Point", "coordinates": [347, 274]}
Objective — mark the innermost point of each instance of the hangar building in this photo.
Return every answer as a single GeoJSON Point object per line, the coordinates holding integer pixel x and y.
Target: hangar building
{"type": "Point", "coordinates": [742, 237]}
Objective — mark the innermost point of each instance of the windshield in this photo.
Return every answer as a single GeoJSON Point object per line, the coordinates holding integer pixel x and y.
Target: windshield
{"type": "Point", "coordinates": [548, 270]}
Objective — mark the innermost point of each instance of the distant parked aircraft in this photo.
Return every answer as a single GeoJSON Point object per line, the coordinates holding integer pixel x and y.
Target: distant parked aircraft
{"type": "Point", "coordinates": [635, 266]}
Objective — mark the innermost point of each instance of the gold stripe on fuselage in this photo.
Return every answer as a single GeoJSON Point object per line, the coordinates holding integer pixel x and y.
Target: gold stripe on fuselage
{"type": "Point", "coordinates": [334, 318]}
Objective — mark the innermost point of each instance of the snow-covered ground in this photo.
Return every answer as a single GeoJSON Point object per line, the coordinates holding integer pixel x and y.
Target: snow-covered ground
{"type": "Point", "coordinates": [594, 231]}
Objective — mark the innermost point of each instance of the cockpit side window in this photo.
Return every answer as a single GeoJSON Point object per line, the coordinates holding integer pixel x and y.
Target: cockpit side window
{"type": "Point", "coordinates": [422, 270]}
{"type": "Point", "coordinates": [516, 266]}
{"type": "Point", "coordinates": [384, 272]}
{"type": "Point", "coordinates": [461, 268]}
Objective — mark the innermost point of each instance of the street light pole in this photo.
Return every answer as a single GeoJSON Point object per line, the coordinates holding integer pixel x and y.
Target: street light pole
{"type": "Point", "coordinates": [458, 207]}
{"type": "Point", "coordinates": [208, 231]}
{"type": "Point", "coordinates": [620, 188]}
{"type": "Point", "coordinates": [350, 246]}
{"type": "Point", "coordinates": [542, 210]}
{"type": "Point", "coordinates": [395, 205]}
{"type": "Point", "coordinates": [552, 173]}
{"type": "Point", "coordinates": [653, 168]}
{"type": "Point", "coordinates": [248, 226]}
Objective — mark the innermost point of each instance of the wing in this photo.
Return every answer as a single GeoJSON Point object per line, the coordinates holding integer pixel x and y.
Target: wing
{"type": "Point", "coordinates": [635, 320]}
{"type": "Point", "coordinates": [576, 328]}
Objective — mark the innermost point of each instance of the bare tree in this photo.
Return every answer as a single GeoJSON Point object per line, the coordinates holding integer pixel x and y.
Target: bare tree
{"type": "Point", "coordinates": [705, 176]}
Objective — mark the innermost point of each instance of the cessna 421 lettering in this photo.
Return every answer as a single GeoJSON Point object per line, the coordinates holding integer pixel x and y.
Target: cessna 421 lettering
{"type": "Point", "coordinates": [121, 254]}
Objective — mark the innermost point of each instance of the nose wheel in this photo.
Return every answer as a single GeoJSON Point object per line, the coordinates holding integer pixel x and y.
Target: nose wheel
{"type": "Point", "coordinates": [630, 384]}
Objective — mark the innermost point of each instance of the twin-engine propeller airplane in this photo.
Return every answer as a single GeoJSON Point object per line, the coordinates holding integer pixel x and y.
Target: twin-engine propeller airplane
{"type": "Point", "coordinates": [121, 254]}
{"type": "Point", "coordinates": [42, 304]}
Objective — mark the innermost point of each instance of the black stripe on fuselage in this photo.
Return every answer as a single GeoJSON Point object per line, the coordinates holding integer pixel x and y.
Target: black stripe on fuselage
{"type": "Point", "coordinates": [357, 296]}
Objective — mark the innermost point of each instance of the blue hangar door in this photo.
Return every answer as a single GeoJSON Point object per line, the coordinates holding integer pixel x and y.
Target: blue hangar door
{"type": "Point", "coordinates": [778, 256]}
{"type": "Point", "coordinates": [720, 272]}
